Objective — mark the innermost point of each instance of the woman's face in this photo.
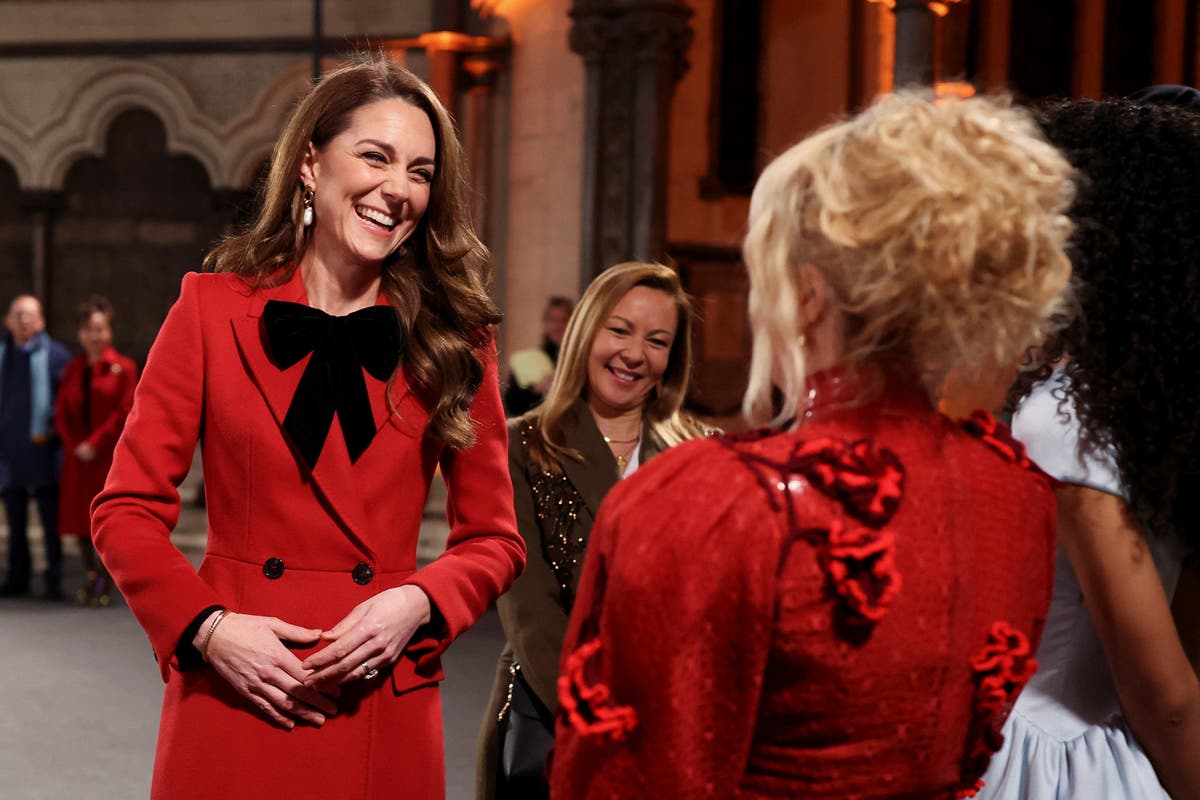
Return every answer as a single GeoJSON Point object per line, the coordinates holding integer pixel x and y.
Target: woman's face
{"type": "Point", "coordinates": [371, 182]}
{"type": "Point", "coordinates": [95, 334]}
{"type": "Point", "coordinates": [630, 352]}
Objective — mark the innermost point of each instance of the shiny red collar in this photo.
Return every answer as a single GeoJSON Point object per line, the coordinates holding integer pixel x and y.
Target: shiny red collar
{"type": "Point", "coordinates": [859, 390]}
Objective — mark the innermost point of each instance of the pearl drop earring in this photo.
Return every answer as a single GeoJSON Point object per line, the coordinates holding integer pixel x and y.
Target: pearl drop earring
{"type": "Point", "coordinates": [307, 218]}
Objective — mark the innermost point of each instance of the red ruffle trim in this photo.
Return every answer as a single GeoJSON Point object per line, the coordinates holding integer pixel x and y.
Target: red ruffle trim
{"type": "Point", "coordinates": [587, 706]}
{"type": "Point", "coordinates": [997, 436]}
{"type": "Point", "coordinates": [1002, 668]}
{"type": "Point", "coordinates": [869, 481]}
{"type": "Point", "coordinates": [861, 563]}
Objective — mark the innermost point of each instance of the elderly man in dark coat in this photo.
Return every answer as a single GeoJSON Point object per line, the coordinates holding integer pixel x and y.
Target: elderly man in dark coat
{"type": "Point", "coordinates": [31, 366]}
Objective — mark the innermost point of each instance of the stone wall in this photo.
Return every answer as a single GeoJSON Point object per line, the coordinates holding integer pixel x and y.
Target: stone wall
{"type": "Point", "coordinates": [544, 94]}
{"type": "Point", "coordinates": [804, 80]}
{"type": "Point", "coordinates": [57, 21]}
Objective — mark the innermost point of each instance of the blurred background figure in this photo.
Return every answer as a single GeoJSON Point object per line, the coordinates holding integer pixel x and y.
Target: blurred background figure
{"type": "Point", "coordinates": [614, 404]}
{"type": "Point", "coordinates": [93, 401]}
{"type": "Point", "coordinates": [1113, 411]}
{"type": "Point", "coordinates": [531, 371]}
{"type": "Point", "coordinates": [841, 604]}
{"type": "Point", "coordinates": [31, 366]}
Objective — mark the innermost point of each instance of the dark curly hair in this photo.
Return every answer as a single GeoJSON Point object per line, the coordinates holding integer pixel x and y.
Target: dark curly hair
{"type": "Point", "coordinates": [1133, 352]}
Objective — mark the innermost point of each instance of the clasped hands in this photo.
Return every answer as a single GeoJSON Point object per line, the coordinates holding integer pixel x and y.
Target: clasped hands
{"type": "Point", "coordinates": [248, 651]}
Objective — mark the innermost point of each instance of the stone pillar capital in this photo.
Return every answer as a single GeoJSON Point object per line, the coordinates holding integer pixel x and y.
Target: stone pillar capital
{"type": "Point", "coordinates": [651, 29]}
{"type": "Point", "coordinates": [634, 52]}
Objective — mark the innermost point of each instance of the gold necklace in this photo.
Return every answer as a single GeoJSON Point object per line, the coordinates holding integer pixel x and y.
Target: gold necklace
{"type": "Point", "coordinates": [610, 440]}
{"type": "Point", "coordinates": [622, 460]}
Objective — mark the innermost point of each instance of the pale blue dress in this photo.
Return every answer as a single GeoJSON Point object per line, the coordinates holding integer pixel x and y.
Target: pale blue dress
{"type": "Point", "coordinates": [1066, 737]}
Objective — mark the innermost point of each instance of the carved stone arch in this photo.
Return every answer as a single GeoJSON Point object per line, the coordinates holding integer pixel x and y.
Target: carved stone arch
{"type": "Point", "coordinates": [251, 136]}
{"type": "Point", "coordinates": [41, 153]}
{"type": "Point", "coordinates": [80, 128]}
{"type": "Point", "coordinates": [14, 150]}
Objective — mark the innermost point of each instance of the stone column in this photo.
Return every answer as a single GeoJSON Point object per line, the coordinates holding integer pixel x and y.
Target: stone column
{"type": "Point", "coordinates": [43, 207]}
{"type": "Point", "coordinates": [634, 54]}
{"type": "Point", "coordinates": [481, 71]}
{"type": "Point", "coordinates": [443, 70]}
{"type": "Point", "coordinates": [460, 62]}
{"type": "Point", "coordinates": [915, 43]}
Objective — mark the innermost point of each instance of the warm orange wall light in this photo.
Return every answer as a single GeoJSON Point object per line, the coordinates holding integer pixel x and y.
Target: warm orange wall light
{"type": "Point", "coordinates": [502, 8]}
{"type": "Point", "coordinates": [961, 89]}
{"type": "Point", "coordinates": [941, 9]}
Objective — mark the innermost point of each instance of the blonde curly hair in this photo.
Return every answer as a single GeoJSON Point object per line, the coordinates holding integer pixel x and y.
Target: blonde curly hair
{"type": "Point", "coordinates": [939, 225]}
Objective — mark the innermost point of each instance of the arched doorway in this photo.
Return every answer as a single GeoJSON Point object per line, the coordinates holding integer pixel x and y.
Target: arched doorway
{"type": "Point", "coordinates": [133, 222]}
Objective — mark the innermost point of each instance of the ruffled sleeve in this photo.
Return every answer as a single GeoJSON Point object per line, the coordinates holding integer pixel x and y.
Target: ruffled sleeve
{"type": "Point", "coordinates": [1046, 424]}
{"type": "Point", "coordinates": [668, 643]}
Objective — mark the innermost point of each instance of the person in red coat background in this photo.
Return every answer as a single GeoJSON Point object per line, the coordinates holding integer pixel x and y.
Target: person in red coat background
{"type": "Point", "coordinates": [843, 604]}
{"type": "Point", "coordinates": [341, 353]}
{"type": "Point", "coordinates": [93, 400]}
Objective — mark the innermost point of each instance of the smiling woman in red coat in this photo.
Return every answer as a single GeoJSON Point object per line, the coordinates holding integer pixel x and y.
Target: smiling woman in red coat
{"type": "Point", "coordinates": [843, 604]}
{"type": "Point", "coordinates": [340, 355]}
{"type": "Point", "coordinates": [93, 400]}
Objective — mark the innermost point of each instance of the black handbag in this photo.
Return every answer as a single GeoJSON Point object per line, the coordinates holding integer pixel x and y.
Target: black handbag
{"type": "Point", "coordinates": [526, 737]}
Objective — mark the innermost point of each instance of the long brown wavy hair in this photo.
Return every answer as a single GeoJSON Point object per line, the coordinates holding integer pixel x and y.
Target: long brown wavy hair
{"type": "Point", "coordinates": [662, 410]}
{"type": "Point", "coordinates": [436, 281]}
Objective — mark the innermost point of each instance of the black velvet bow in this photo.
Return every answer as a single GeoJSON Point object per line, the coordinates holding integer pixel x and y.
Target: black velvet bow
{"type": "Point", "coordinates": [341, 347]}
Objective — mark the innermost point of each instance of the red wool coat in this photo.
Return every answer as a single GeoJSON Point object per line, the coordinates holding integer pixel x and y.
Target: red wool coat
{"type": "Point", "coordinates": [844, 611]}
{"type": "Point", "coordinates": [112, 381]}
{"type": "Point", "coordinates": [303, 547]}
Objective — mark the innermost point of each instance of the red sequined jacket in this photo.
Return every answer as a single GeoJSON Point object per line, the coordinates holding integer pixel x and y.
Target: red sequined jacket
{"type": "Point", "coordinates": [844, 611]}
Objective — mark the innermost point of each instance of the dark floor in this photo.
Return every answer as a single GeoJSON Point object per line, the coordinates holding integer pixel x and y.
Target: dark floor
{"type": "Point", "coordinates": [80, 692]}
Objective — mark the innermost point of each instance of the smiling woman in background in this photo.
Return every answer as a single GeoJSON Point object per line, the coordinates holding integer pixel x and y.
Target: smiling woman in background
{"type": "Point", "coordinates": [340, 355]}
{"type": "Point", "coordinates": [615, 402]}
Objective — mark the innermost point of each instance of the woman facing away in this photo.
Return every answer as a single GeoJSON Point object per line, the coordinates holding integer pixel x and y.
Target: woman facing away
{"type": "Point", "coordinates": [93, 401]}
{"type": "Point", "coordinates": [842, 605]}
{"type": "Point", "coordinates": [338, 356]}
{"type": "Point", "coordinates": [1114, 710]}
{"type": "Point", "coordinates": [615, 403]}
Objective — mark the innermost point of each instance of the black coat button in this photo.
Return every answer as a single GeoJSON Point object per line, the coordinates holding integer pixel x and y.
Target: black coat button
{"type": "Point", "coordinates": [363, 574]}
{"type": "Point", "coordinates": [273, 568]}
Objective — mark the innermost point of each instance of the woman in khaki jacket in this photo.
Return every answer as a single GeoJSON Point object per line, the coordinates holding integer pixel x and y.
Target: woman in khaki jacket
{"type": "Point", "coordinates": [615, 402]}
